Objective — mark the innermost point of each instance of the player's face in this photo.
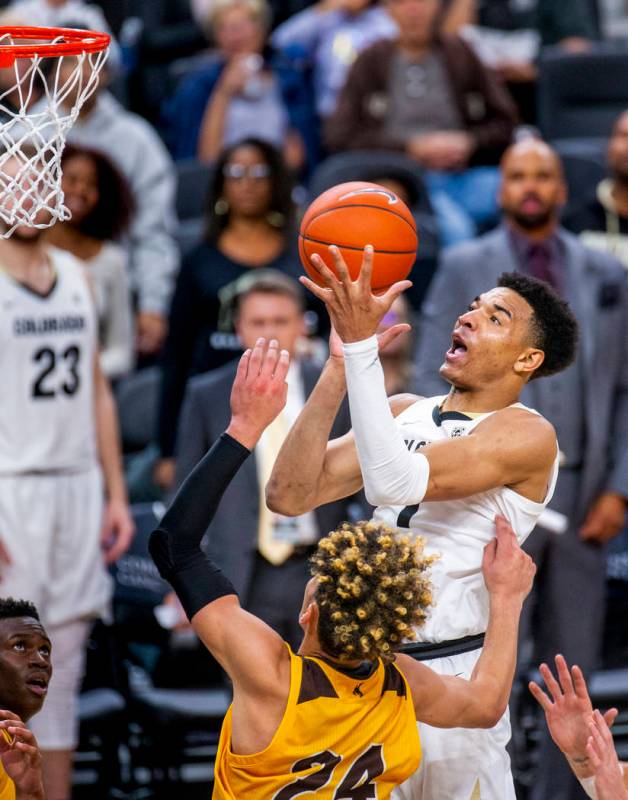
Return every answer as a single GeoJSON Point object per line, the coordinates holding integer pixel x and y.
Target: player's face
{"type": "Point", "coordinates": [532, 187]}
{"type": "Point", "coordinates": [488, 339]}
{"type": "Point", "coordinates": [618, 149]}
{"type": "Point", "coordinates": [80, 186]}
{"type": "Point", "coordinates": [25, 666]}
{"type": "Point", "coordinates": [273, 316]}
{"type": "Point", "coordinates": [247, 183]}
{"type": "Point", "coordinates": [237, 32]}
{"type": "Point", "coordinates": [416, 18]}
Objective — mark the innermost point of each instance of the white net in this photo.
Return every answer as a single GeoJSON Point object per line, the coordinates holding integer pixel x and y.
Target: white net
{"type": "Point", "coordinates": [40, 100]}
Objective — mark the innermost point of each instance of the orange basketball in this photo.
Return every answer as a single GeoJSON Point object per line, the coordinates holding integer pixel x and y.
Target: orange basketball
{"type": "Point", "coordinates": [352, 215]}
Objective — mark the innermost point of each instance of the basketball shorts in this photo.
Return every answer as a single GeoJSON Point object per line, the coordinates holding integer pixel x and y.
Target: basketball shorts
{"type": "Point", "coordinates": [461, 763]}
{"type": "Point", "coordinates": [50, 526]}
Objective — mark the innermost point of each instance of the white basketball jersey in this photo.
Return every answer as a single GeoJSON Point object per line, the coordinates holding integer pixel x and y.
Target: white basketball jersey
{"type": "Point", "coordinates": [47, 351]}
{"type": "Point", "coordinates": [457, 530]}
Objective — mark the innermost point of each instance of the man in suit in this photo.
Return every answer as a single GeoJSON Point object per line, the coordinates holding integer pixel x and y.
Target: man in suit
{"type": "Point", "coordinates": [265, 555]}
{"type": "Point", "coordinates": [587, 404]}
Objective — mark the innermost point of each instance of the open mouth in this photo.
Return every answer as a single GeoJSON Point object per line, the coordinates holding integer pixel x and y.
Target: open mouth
{"type": "Point", "coordinates": [38, 686]}
{"type": "Point", "coordinates": [458, 347]}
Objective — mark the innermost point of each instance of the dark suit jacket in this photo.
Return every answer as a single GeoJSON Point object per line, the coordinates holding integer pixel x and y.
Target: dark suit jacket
{"type": "Point", "coordinates": [598, 294]}
{"type": "Point", "coordinates": [232, 537]}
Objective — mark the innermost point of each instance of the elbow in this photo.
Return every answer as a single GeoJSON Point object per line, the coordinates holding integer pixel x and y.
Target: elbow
{"type": "Point", "coordinates": [281, 501]}
{"type": "Point", "coordinates": [491, 714]}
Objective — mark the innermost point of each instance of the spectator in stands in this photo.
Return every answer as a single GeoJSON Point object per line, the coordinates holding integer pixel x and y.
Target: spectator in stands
{"type": "Point", "coordinates": [265, 554]}
{"type": "Point", "coordinates": [101, 205]}
{"type": "Point", "coordinates": [66, 14]}
{"type": "Point", "coordinates": [135, 149]}
{"type": "Point", "coordinates": [249, 226]}
{"type": "Point", "coordinates": [246, 91]}
{"type": "Point", "coordinates": [602, 220]}
{"type": "Point", "coordinates": [587, 404]}
{"type": "Point", "coordinates": [429, 96]}
{"type": "Point", "coordinates": [329, 35]}
{"type": "Point", "coordinates": [397, 357]}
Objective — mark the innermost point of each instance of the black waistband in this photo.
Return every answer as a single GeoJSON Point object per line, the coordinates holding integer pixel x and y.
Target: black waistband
{"type": "Point", "coordinates": [424, 651]}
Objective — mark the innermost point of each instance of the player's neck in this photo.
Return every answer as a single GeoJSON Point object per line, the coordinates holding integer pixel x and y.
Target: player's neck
{"type": "Point", "coordinates": [480, 401]}
{"type": "Point", "coordinates": [23, 259]}
{"type": "Point", "coordinates": [318, 652]}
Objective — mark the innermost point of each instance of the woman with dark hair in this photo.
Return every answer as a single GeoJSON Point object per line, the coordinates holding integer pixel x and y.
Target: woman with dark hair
{"type": "Point", "coordinates": [101, 205]}
{"type": "Point", "coordinates": [249, 226]}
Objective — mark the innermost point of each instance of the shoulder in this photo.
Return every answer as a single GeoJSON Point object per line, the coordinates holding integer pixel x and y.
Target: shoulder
{"type": "Point", "coordinates": [400, 402]}
{"type": "Point", "coordinates": [523, 430]}
{"type": "Point", "coordinates": [131, 128]}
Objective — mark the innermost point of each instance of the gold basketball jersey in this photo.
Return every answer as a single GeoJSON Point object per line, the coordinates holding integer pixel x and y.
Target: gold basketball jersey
{"type": "Point", "coordinates": [341, 738]}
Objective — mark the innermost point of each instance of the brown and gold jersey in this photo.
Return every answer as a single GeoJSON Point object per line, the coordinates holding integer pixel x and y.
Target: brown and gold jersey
{"type": "Point", "coordinates": [344, 735]}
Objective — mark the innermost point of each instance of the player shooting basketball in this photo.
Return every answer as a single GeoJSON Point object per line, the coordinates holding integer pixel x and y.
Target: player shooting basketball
{"type": "Point", "coordinates": [443, 467]}
{"type": "Point", "coordinates": [337, 719]}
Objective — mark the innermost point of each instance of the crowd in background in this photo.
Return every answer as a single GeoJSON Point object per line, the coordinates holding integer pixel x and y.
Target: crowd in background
{"type": "Point", "coordinates": [213, 125]}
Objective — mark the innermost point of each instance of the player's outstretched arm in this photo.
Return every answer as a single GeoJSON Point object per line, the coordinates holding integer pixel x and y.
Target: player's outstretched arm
{"type": "Point", "coordinates": [252, 654]}
{"type": "Point", "coordinates": [447, 701]}
{"type": "Point", "coordinates": [569, 714]}
{"type": "Point", "coordinates": [610, 777]}
{"type": "Point", "coordinates": [20, 757]}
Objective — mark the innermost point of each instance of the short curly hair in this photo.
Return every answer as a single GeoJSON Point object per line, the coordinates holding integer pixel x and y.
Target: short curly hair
{"type": "Point", "coordinates": [554, 327]}
{"type": "Point", "coordinates": [373, 590]}
{"type": "Point", "coordinates": [11, 608]}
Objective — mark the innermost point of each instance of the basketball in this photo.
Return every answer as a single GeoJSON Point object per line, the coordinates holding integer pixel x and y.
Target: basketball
{"type": "Point", "coordinates": [352, 215]}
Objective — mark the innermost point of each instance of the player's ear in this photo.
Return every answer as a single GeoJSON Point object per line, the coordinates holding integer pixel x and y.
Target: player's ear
{"type": "Point", "coordinates": [529, 361]}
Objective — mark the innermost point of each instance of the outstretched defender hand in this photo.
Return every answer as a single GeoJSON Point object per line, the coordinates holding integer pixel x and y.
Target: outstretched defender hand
{"type": "Point", "coordinates": [354, 310]}
{"type": "Point", "coordinates": [508, 571]}
{"type": "Point", "coordinates": [259, 391]}
{"type": "Point", "coordinates": [21, 758]}
{"type": "Point", "coordinates": [568, 709]}
{"type": "Point", "coordinates": [610, 783]}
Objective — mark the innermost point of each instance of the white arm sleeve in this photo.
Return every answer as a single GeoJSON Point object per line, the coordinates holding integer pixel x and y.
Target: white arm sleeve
{"type": "Point", "coordinates": [392, 475]}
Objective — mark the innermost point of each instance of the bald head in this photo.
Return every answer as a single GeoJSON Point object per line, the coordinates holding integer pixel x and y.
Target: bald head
{"type": "Point", "coordinates": [533, 187]}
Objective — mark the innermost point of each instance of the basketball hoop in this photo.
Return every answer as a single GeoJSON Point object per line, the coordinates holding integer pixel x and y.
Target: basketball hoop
{"type": "Point", "coordinates": [46, 75]}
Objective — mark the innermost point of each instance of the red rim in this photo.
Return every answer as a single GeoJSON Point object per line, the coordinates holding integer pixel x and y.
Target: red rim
{"type": "Point", "coordinates": [74, 43]}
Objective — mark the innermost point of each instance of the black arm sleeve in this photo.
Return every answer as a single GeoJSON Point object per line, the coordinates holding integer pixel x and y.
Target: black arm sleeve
{"type": "Point", "coordinates": [175, 545]}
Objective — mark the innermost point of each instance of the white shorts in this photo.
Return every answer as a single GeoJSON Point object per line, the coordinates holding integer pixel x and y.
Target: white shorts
{"type": "Point", "coordinates": [461, 763]}
{"type": "Point", "coordinates": [56, 725]}
{"type": "Point", "coordinates": [50, 526]}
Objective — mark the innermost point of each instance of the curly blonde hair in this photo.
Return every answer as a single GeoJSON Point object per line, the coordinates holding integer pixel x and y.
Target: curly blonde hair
{"type": "Point", "coordinates": [373, 590]}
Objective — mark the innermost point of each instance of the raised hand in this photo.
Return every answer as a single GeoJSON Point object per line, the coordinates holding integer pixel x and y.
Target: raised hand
{"type": "Point", "coordinates": [20, 757]}
{"type": "Point", "coordinates": [354, 310]}
{"type": "Point", "coordinates": [568, 709]}
{"type": "Point", "coordinates": [609, 777]}
{"type": "Point", "coordinates": [259, 391]}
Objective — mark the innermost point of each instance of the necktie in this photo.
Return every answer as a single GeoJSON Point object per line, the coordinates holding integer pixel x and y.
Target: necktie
{"type": "Point", "coordinates": [540, 263]}
{"type": "Point", "coordinates": [273, 550]}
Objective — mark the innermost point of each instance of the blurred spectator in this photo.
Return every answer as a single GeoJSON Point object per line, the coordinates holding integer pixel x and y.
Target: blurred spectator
{"type": "Point", "coordinates": [66, 14]}
{"type": "Point", "coordinates": [396, 358]}
{"type": "Point", "coordinates": [587, 404]}
{"type": "Point", "coordinates": [245, 91]}
{"type": "Point", "coordinates": [265, 554]}
{"type": "Point", "coordinates": [329, 35]}
{"type": "Point", "coordinates": [101, 205]}
{"type": "Point", "coordinates": [429, 95]}
{"type": "Point", "coordinates": [249, 226]}
{"type": "Point", "coordinates": [602, 220]}
{"type": "Point", "coordinates": [134, 147]}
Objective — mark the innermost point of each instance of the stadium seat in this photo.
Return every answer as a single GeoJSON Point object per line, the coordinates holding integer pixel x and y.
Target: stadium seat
{"type": "Point", "coordinates": [581, 94]}
{"type": "Point", "coordinates": [369, 165]}
{"type": "Point", "coordinates": [137, 398]}
{"type": "Point", "coordinates": [193, 180]}
{"type": "Point", "coordinates": [176, 696]}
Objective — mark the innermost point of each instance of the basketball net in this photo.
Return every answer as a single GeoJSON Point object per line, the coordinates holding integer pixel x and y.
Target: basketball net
{"type": "Point", "coordinates": [40, 99]}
